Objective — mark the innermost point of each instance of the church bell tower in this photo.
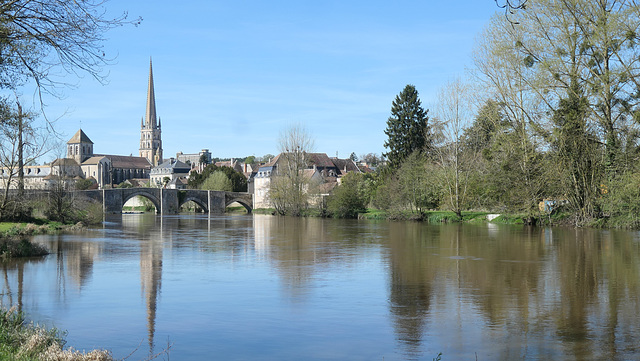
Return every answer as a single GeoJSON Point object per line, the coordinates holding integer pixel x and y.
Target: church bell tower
{"type": "Point", "coordinates": [150, 127]}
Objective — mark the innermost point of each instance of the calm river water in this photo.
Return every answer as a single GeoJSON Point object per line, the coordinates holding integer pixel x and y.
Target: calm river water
{"type": "Point", "coordinates": [272, 288]}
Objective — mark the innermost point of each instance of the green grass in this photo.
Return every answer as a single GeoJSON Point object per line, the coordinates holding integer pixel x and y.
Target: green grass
{"type": "Point", "coordinates": [135, 209]}
{"type": "Point", "coordinates": [13, 238]}
{"type": "Point", "coordinates": [264, 211]}
{"type": "Point", "coordinates": [373, 214]}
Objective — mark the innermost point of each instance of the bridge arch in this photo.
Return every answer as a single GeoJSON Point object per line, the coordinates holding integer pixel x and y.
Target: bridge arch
{"type": "Point", "coordinates": [242, 202]}
{"type": "Point", "coordinates": [195, 200]}
{"type": "Point", "coordinates": [142, 192]}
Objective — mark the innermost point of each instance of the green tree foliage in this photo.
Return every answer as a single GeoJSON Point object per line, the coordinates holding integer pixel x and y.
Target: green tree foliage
{"type": "Point", "coordinates": [578, 154]}
{"type": "Point", "coordinates": [217, 181]}
{"type": "Point", "coordinates": [419, 189]}
{"type": "Point", "coordinates": [480, 134]}
{"type": "Point", "coordinates": [238, 180]}
{"type": "Point", "coordinates": [621, 200]}
{"type": "Point", "coordinates": [407, 128]}
{"type": "Point", "coordinates": [84, 184]}
{"type": "Point", "coordinates": [350, 197]}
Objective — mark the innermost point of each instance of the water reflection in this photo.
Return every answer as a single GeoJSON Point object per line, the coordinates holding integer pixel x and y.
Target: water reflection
{"type": "Point", "coordinates": [410, 289]}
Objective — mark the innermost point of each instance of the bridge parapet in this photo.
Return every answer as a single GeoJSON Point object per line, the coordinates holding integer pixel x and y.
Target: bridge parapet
{"type": "Point", "coordinates": [168, 201]}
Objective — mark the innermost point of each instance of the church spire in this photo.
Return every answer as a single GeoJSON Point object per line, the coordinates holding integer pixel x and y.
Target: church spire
{"type": "Point", "coordinates": [150, 115]}
{"type": "Point", "coordinates": [150, 132]}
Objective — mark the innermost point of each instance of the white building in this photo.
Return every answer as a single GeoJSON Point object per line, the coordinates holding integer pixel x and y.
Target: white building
{"type": "Point", "coordinates": [168, 172]}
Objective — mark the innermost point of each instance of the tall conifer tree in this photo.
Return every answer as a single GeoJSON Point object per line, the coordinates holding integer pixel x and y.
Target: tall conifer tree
{"type": "Point", "coordinates": [407, 127]}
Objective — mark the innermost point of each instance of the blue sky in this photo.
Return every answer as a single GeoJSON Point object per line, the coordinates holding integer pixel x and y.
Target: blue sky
{"type": "Point", "coordinates": [230, 76]}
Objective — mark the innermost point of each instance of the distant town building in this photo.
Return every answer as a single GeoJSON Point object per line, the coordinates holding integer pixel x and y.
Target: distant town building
{"type": "Point", "coordinates": [320, 168]}
{"type": "Point", "coordinates": [232, 163]}
{"type": "Point", "coordinates": [197, 161]}
{"type": "Point", "coordinates": [168, 173]}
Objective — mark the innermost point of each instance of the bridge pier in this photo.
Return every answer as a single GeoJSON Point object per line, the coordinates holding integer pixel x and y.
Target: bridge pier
{"type": "Point", "coordinates": [112, 201]}
{"type": "Point", "coordinates": [169, 202]}
{"type": "Point", "coordinates": [216, 202]}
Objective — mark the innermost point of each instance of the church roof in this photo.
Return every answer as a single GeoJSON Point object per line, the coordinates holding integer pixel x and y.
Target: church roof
{"type": "Point", "coordinates": [126, 162]}
{"type": "Point", "coordinates": [93, 160]}
{"type": "Point", "coordinates": [79, 137]}
{"type": "Point", "coordinates": [65, 162]}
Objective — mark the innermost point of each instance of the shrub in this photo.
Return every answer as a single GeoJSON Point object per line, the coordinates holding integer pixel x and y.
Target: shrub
{"type": "Point", "coordinates": [349, 198]}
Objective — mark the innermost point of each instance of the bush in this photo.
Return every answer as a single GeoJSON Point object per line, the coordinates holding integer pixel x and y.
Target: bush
{"type": "Point", "coordinates": [84, 184]}
{"type": "Point", "coordinates": [16, 248]}
{"type": "Point", "coordinates": [349, 198]}
{"type": "Point", "coordinates": [621, 201]}
{"type": "Point", "coordinates": [16, 210]}
{"type": "Point", "coordinates": [217, 181]}
{"type": "Point", "coordinates": [68, 210]}
{"type": "Point", "coordinates": [22, 341]}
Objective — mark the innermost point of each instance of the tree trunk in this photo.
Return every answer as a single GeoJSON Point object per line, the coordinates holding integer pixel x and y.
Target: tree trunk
{"type": "Point", "coordinates": [20, 152]}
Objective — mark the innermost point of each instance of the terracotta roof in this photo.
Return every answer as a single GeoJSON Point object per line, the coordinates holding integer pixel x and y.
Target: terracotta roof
{"type": "Point", "coordinates": [347, 164]}
{"type": "Point", "coordinates": [67, 162]}
{"type": "Point", "coordinates": [273, 161]}
{"type": "Point", "coordinates": [79, 137]}
{"type": "Point", "coordinates": [93, 160]}
{"type": "Point", "coordinates": [320, 160]}
{"type": "Point", "coordinates": [126, 162]}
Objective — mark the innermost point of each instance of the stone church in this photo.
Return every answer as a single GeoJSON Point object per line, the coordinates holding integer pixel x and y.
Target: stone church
{"type": "Point", "coordinates": [108, 169]}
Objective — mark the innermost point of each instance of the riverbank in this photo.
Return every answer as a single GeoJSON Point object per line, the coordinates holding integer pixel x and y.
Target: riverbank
{"type": "Point", "coordinates": [13, 242]}
{"type": "Point", "coordinates": [435, 217]}
{"type": "Point", "coordinates": [23, 341]}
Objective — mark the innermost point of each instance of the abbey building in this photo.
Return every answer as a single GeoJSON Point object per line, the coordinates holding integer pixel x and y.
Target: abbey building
{"type": "Point", "coordinates": [105, 170]}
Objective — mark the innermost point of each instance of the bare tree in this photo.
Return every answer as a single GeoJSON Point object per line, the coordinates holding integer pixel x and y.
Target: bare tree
{"type": "Point", "coordinates": [21, 141]}
{"type": "Point", "coordinates": [290, 185]}
{"type": "Point", "coordinates": [43, 39]}
{"type": "Point", "coordinates": [454, 113]}
{"type": "Point", "coordinates": [510, 7]}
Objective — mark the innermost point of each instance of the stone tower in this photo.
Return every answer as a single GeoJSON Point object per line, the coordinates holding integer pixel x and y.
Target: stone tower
{"type": "Point", "coordinates": [79, 147]}
{"type": "Point", "coordinates": [150, 128]}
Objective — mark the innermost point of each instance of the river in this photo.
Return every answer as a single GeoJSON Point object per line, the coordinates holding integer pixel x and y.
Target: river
{"type": "Point", "coordinates": [242, 287]}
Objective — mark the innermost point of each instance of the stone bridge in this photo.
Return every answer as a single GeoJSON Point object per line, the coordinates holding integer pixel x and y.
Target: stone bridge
{"type": "Point", "coordinates": [168, 201]}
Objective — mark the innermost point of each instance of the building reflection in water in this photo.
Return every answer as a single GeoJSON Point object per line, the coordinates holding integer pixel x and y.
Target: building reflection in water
{"type": "Point", "coordinates": [538, 292]}
{"type": "Point", "coordinates": [152, 238]}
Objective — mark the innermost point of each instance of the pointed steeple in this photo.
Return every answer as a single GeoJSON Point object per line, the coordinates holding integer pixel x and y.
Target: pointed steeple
{"type": "Point", "coordinates": [150, 132]}
{"type": "Point", "coordinates": [150, 115]}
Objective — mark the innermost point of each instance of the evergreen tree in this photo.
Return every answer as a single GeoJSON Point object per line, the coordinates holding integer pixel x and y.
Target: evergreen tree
{"type": "Point", "coordinates": [407, 127]}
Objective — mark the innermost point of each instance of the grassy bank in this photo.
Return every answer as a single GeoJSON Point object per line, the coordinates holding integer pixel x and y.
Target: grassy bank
{"type": "Point", "coordinates": [13, 242]}
{"type": "Point", "coordinates": [429, 217]}
{"type": "Point", "coordinates": [22, 341]}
